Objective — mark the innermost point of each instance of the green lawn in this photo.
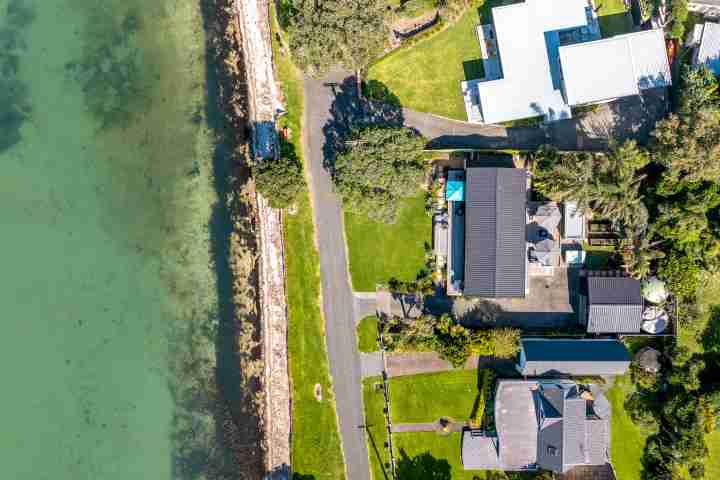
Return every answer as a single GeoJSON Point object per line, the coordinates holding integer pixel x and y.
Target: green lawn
{"type": "Point", "coordinates": [426, 77]}
{"type": "Point", "coordinates": [316, 449]}
{"type": "Point", "coordinates": [628, 439]}
{"type": "Point", "coordinates": [429, 396]}
{"type": "Point", "coordinates": [418, 453]}
{"type": "Point", "coordinates": [613, 17]}
{"type": "Point", "coordinates": [375, 429]}
{"type": "Point", "coordinates": [367, 333]}
{"type": "Point", "coordinates": [712, 464]}
{"type": "Point", "coordinates": [379, 251]}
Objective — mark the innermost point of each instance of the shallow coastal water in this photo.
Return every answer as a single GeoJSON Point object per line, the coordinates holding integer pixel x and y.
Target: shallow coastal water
{"type": "Point", "coordinates": [105, 197]}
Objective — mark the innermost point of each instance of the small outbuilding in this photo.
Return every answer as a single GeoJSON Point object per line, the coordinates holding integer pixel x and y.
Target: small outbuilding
{"type": "Point", "coordinates": [615, 305]}
{"type": "Point", "coordinates": [648, 359]}
{"type": "Point", "coordinates": [569, 357]}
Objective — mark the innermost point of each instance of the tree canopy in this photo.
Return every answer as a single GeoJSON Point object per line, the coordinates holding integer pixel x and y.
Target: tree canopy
{"type": "Point", "coordinates": [379, 167]}
{"type": "Point", "coordinates": [607, 183]}
{"type": "Point", "coordinates": [349, 33]}
{"type": "Point", "coordinates": [687, 143]}
{"type": "Point", "coordinates": [280, 181]}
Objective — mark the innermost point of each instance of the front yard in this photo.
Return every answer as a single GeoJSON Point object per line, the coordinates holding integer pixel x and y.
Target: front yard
{"type": "Point", "coordinates": [426, 77]}
{"type": "Point", "coordinates": [423, 398]}
{"type": "Point", "coordinates": [427, 397]}
{"type": "Point", "coordinates": [379, 251]}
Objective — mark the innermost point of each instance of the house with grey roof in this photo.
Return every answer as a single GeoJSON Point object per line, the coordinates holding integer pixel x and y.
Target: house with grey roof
{"type": "Point", "coordinates": [543, 57]}
{"type": "Point", "coordinates": [614, 305]}
{"type": "Point", "coordinates": [553, 425]}
{"type": "Point", "coordinates": [539, 357]}
{"type": "Point", "coordinates": [495, 218]}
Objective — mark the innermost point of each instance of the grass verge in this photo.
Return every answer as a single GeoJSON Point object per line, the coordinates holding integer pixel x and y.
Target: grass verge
{"type": "Point", "coordinates": [316, 449]}
{"type": "Point", "coordinates": [379, 251]}
{"type": "Point", "coordinates": [376, 434]}
{"type": "Point", "coordinates": [367, 333]}
{"type": "Point", "coordinates": [427, 76]}
{"type": "Point", "coordinates": [429, 396]}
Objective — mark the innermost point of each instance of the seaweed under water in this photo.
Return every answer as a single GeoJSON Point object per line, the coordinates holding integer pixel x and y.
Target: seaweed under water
{"type": "Point", "coordinates": [111, 70]}
{"type": "Point", "coordinates": [15, 107]}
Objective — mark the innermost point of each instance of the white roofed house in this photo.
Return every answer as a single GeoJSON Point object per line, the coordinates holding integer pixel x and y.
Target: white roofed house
{"type": "Point", "coordinates": [551, 57]}
{"type": "Point", "coordinates": [706, 38]}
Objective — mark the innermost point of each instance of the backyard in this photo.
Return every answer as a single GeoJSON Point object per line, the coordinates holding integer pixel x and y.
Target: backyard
{"type": "Point", "coordinates": [379, 251]}
{"type": "Point", "coordinates": [613, 17]}
{"type": "Point", "coordinates": [627, 439]}
{"type": "Point", "coordinates": [316, 451]}
{"type": "Point", "coordinates": [426, 77]}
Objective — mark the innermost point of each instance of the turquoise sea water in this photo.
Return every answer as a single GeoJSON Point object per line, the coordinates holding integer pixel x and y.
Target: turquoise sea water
{"type": "Point", "coordinates": [105, 197]}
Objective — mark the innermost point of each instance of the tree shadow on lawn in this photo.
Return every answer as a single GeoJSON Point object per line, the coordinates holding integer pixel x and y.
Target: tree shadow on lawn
{"type": "Point", "coordinates": [348, 112]}
{"type": "Point", "coordinates": [422, 467]}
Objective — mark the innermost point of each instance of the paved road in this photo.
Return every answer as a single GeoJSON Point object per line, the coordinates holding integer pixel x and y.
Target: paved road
{"type": "Point", "coordinates": [338, 299]}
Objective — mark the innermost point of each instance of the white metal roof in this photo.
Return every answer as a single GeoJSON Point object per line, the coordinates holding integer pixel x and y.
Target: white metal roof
{"type": "Point", "coordinates": [526, 89]}
{"type": "Point", "coordinates": [614, 67]}
{"type": "Point", "coordinates": [709, 50]}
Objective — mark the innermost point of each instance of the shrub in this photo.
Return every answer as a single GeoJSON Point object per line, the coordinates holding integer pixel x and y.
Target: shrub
{"type": "Point", "coordinates": [505, 341]}
{"type": "Point", "coordinates": [681, 272]}
{"type": "Point", "coordinates": [279, 181]}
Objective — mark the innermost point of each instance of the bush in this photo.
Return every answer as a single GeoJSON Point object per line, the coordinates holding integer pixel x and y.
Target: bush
{"type": "Point", "coordinates": [485, 384]}
{"type": "Point", "coordinates": [506, 342]}
{"type": "Point", "coordinates": [681, 272]}
{"type": "Point", "coordinates": [279, 181]}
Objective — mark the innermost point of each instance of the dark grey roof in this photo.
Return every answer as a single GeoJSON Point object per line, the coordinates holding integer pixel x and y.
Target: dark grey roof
{"type": "Point", "coordinates": [614, 305]}
{"type": "Point", "coordinates": [550, 446]}
{"type": "Point", "coordinates": [479, 451]}
{"type": "Point", "coordinates": [553, 397]}
{"type": "Point", "coordinates": [495, 220]}
{"type": "Point", "coordinates": [573, 357]}
{"type": "Point", "coordinates": [573, 439]}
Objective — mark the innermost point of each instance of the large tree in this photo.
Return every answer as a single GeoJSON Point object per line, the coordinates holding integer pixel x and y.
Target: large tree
{"type": "Point", "coordinates": [689, 147]}
{"type": "Point", "coordinates": [379, 167]}
{"type": "Point", "coordinates": [609, 183]}
{"type": "Point", "coordinates": [326, 33]}
{"type": "Point", "coordinates": [687, 143]}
